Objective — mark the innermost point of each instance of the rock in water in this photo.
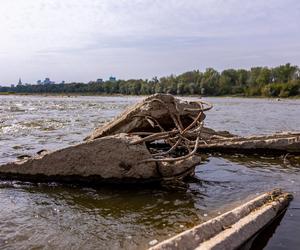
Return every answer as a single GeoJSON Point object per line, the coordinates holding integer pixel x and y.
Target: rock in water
{"type": "Point", "coordinates": [111, 159]}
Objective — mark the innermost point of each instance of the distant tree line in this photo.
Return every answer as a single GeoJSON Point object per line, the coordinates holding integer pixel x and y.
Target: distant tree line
{"type": "Point", "coordinates": [281, 81]}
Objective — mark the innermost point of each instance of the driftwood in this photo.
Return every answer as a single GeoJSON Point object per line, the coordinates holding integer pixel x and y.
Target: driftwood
{"type": "Point", "coordinates": [232, 229]}
{"type": "Point", "coordinates": [279, 142]}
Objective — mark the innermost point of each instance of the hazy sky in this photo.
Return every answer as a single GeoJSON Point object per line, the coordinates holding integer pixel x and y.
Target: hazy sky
{"type": "Point", "coordinates": [81, 40]}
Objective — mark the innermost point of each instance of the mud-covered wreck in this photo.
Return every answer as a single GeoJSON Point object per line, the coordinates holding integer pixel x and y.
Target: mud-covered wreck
{"type": "Point", "coordinates": [157, 139]}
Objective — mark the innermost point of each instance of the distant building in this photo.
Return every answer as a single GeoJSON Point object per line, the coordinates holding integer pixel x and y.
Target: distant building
{"type": "Point", "coordinates": [20, 81]}
{"type": "Point", "coordinates": [99, 80]}
{"type": "Point", "coordinates": [112, 79]}
{"type": "Point", "coordinates": [46, 81]}
{"type": "Point", "coordinates": [62, 82]}
{"type": "Point", "coordinates": [12, 85]}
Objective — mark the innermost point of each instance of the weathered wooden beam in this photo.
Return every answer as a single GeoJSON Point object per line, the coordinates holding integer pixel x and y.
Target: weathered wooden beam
{"type": "Point", "coordinates": [232, 229]}
{"type": "Point", "coordinates": [278, 142]}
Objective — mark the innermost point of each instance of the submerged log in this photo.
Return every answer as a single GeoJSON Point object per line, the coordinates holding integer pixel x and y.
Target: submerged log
{"type": "Point", "coordinates": [111, 159]}
{"type": "Point", "coordinates": [278, 142]}
{"type": "Point", "coordinates": [233, 229]}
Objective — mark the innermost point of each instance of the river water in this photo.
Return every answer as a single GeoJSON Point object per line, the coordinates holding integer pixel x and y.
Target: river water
{"type": "Point", "coordinates": [55, 216]}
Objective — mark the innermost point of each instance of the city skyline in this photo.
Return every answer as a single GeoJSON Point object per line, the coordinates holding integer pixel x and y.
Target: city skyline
{"type": "Point", "coordinates": [80, 41]}
{"type": "Point", "coordinates": [48, 80]}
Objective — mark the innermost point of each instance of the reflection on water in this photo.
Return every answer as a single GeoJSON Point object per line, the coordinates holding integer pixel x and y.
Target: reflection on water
{"type": "Point", "coordinates": [105, 218]}
{"type": "Point", "coordinates": [58, 217]}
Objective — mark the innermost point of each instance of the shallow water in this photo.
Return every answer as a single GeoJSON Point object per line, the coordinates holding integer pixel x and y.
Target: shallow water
{"type": "Point", "coordinates": [54, 216]}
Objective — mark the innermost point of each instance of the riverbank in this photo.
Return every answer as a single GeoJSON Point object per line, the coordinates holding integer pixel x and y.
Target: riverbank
{"type": "Point", "coordinates": [122, 95]}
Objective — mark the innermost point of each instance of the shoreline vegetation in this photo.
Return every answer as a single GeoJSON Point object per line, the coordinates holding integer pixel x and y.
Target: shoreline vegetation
{"type": "Point", "coordinates": [72, 94]}
{"type": "Point", "coordinates": [282, 81]}
{"type": "Point", "coordinates": [141, 95]}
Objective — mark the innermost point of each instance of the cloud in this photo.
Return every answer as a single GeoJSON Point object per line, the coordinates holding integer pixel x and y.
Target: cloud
{"type": "Point", "coordinates": [52, 33]}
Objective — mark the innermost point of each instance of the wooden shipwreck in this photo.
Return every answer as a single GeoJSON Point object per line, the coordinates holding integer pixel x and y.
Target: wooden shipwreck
{"type": "Point", "coordinates": [156, 139]}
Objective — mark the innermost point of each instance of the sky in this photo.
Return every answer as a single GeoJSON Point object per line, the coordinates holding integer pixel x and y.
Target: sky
{"type": "Point", "coordinates": [76, 40]}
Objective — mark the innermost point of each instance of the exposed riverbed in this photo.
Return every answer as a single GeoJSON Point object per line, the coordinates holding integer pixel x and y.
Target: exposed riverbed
{"type": "Point", "coordinates": [55, 216]}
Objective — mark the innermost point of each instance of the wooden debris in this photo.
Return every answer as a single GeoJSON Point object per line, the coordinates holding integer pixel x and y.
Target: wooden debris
{"type": "Point", "coordinates": [279, 142]}
{"type": "Point", "coordinates": [232, 229]}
